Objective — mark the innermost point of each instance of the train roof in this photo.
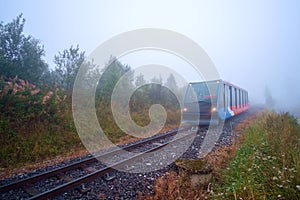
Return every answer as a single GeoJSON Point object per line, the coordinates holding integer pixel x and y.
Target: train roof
{"type": "Point", "coordinates": [219, 80]}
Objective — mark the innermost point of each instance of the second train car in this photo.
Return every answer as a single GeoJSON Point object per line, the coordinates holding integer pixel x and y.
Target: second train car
{"type": "Point", "coordinates": [211, 101]}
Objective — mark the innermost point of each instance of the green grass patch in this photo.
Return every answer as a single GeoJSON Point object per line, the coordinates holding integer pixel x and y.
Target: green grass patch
{"type": "Point", "coordinates": [266, 165]}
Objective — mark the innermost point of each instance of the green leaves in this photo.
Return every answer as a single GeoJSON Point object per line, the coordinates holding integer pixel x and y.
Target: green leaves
{"type": "Point", "coordinates": [67, 66]}
{"type": "Point", "coordinates": [20, 55]}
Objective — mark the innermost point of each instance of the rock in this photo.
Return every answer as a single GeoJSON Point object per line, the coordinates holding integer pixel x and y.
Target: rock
{"type": "Point", "coordinates": [199, 171]}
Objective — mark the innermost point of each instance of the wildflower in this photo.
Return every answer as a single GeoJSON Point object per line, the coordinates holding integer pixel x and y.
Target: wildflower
{"type": "Point", "coordinates": [298, 187]}
{"type": "Point", "coordinates": [279, 196]}
{"type": "Point", "coordinates": [292, 169]}
{"type": "Point", "coordinates": [249, 169]}
{"type": "Point", "coordinates": [275, 178]}
{"type": "Point", "coordinates": [245, 188]}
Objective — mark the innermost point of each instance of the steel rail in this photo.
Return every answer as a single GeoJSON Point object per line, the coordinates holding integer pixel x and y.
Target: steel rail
{"type": "Point", "coordinates": [79, 164]}
{"type": "Point", "coordinates": [76, 182]}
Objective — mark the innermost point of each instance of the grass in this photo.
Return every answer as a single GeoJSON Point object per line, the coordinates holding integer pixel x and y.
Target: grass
{"type": "Point", "coordinates": [266, 165]}
{"type": "Point", "coordinates": [24, 144]}
{"type": "Point", "coordinates": [41, 142]}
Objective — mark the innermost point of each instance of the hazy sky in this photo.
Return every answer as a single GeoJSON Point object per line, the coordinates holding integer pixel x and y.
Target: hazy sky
{"type": "Point", "coordinates": [252, 43]}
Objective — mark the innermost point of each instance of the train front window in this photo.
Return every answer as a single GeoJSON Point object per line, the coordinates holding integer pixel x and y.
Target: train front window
{"type": "Point", "coordinates": [202, 92]}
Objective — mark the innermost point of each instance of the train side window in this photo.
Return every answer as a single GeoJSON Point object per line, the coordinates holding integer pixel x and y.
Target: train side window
{"type": "Point", "coordinates": [243, 98]}
{"type": "Point", "coordinates": [235, 100]}
{"type": "Point", "coordinates": [221, 96]}
{"type": "Point", "coordinates": [239, 97]}
{"type": "Point", "coordinates": [232, 102]}
{"type": "Point", "coordinates": [224, 96]}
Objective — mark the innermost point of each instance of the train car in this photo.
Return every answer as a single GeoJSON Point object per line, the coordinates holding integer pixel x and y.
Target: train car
{"type": "Point", "coordinates": [211, 101]}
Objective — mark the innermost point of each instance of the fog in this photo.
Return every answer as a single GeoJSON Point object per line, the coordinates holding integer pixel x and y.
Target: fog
{"type": "Point", "coordinates": [254, 44]}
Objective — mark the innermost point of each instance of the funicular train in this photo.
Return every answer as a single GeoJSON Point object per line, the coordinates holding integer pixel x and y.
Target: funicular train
{"type": "Point", "coordinates": [211, 101]}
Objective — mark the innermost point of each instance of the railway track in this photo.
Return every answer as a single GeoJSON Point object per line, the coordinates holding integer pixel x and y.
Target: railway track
{"type": "Point", "coordinates": [91, 168]}
{"type": "Point", "coordinates": [68, 182]}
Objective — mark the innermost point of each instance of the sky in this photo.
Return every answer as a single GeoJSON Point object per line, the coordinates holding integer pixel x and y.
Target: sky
{"type": "Point", "coordinates": [253, 44]}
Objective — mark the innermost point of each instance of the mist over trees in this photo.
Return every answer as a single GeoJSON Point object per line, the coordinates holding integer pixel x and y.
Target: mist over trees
{"type": "Point", "coordinates": [21, 62]}
{"type": "Point", "coordinates": [36, 105]}
{"type": "Point", "coordinates": [22, 56]}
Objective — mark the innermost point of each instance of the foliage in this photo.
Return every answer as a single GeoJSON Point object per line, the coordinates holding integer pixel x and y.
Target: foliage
{"type": "Point", "coordinates": [140, 102]}
{"type": "Point", "coordinates": [20, 55]}
{"type": "Point", "coordinates": [68, 63]}
{"type": "Point", "coordinates": [35, 103]}
{"type": "Point", "coordinates": [35, 123]}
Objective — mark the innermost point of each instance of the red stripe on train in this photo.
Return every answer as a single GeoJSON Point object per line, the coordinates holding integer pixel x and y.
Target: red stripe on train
{"type": "Point", "coordinates": [239, 109]}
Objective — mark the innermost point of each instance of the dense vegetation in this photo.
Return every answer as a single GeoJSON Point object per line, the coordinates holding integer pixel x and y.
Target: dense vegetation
{"type": "Point", "coordinates": [35, 102]}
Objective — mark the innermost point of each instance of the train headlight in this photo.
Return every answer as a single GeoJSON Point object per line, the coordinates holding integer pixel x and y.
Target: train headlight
{"type": "Point", "coordinates": [213, 109]}
{"type": "Point", "coordinates": [185, 109]}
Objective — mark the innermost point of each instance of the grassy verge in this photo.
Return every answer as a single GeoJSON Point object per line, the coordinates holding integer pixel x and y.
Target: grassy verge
{"type": "Point", "coordinates": [37, 141]}
{"type": "Point", "coordinates": [266, 165]}
{"type": "Point", "coordinates": [24, 146]}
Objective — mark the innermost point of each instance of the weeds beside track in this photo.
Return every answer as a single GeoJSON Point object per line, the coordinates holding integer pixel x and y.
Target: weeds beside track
{"type": "Point", "coordinates": [266, 165]}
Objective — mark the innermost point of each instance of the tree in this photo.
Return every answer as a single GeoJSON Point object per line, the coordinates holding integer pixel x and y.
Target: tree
{"type": "Point", "coordinates": [139, 80]}
{"type": "Point", "coordinates": [171, 83]}
{"type": "Point", "coordinates": [20, 55]}
{"type": "Point", "coordinates": [111, 74]}
{"type": "Point", "coordinates": [155, 89]}
{"type": "Point", "coordinates": [269, 99]}
{"type": "Point", "coordinates": [68, 63]}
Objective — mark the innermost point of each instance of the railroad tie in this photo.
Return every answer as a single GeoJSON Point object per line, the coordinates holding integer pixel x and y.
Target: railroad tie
{"type": "Point", "coordinates": [29, 189]}
{"type": "Point", "coordinates": [64, 177]}
{"type": "Point", "coordinates": [89, 169]}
